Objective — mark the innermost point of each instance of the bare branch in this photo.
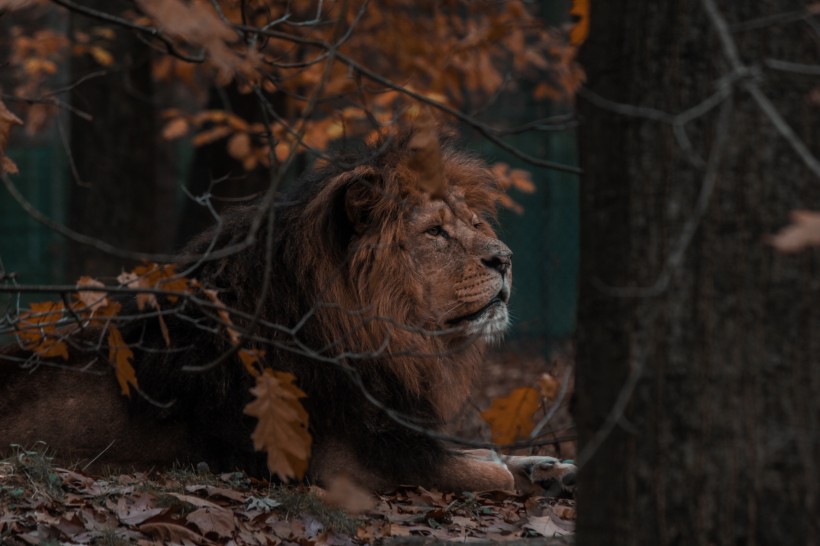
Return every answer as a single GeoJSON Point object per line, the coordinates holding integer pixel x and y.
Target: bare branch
{"type": "Point", "coordinates": [752, 86]}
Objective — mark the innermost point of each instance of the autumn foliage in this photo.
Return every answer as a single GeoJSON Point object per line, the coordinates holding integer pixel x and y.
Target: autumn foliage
{"type": "Point", "coordinates": [322, 72]}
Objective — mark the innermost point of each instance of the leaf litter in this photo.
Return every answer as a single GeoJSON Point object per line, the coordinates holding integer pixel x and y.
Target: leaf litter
{"type": "Point", "coordinates": [190, 508]}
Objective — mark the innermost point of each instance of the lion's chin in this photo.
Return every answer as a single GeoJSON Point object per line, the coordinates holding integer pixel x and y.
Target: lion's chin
{"type": "Point", "coordinates": [490, 325]}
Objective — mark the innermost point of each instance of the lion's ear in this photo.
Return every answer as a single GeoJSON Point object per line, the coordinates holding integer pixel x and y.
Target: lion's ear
{"type": "Point", "coordinates": [361, 195]}
{"type": "Point", "coordinates": [358, 204]}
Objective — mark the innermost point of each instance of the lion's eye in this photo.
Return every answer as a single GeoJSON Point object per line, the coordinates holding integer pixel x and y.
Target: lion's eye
{"type": "Point", "coordinates": [435, 231]}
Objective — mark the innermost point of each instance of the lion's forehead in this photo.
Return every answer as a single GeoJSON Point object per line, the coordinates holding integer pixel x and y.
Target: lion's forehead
{"type": "Point", "coordinates": [453, 206]}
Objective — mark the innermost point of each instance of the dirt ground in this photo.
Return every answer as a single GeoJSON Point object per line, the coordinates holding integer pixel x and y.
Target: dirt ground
{"type": "Point", "coordinates": [42, 504]}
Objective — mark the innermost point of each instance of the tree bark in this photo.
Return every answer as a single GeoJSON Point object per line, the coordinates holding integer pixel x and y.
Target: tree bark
{"type": "Point", "coordinates": [697, 406]}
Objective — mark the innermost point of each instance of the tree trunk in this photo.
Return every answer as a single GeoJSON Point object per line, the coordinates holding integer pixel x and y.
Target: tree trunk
{"type": "Point", "coordinates": [115, 193]}
{"type": "Point", "coordinates": [698, 404]}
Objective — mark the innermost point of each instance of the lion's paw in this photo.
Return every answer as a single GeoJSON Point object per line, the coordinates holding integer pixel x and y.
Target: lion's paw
{"type": "Point", "coordinates": [541, 475]}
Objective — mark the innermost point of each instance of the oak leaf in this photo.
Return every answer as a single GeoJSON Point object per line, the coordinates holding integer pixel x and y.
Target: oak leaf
{"type": "Point", "coordinates": [511, 417]}
{"type": "Point", "coordinates": [38, 331]}
{"type": "Point", "coordinates": [222, 312]}
{"type": "Point", "coordinates": [91, 300]}
{"type": "Point", "coordinates": [249, 359]}
{"type": "Point", "coordinates": [282, 429]}
{"type": "Point", "coordinates": [121, 357]}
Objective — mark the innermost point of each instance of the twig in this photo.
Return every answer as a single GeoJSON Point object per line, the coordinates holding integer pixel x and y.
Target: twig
{"type": "Point", "coordinates": [687, 234]}
{"type": "Point", "coordinates": [797, 68]}
{"type": "Point", "coordinates": [751, 85]}
{"type": "Point", "coordinates": [769, 20]}
{"type": "Point", "coordinates": [125, 23]}
{"type": "Point", "coordinates": [102, 246]}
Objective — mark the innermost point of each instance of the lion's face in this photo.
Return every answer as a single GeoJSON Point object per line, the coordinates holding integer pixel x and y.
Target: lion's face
{"type": "Point", "coordinates": [464, 271]}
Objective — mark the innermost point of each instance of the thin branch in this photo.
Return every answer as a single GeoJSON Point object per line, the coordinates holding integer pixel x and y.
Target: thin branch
{"type": "Point", "coordinates": [675, 258]}
{"type": "Point", "coordinates": [797, 68]}
{"type": "Point", "coordinates": [752, 86]}
{"type": "Point", "coordinates": [770, 20]}
{"type": "Point", "coordinates": [171, 48]}
{"type": "Point", "coordinates": [102, 246]}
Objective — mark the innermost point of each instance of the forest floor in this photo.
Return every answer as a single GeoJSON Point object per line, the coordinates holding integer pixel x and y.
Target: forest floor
{"type": "Point", "coordinates": [41, 503]}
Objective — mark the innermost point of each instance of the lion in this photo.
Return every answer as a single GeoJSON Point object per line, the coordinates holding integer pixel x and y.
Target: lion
{"type": "Point", "coordinates": [380, 297]}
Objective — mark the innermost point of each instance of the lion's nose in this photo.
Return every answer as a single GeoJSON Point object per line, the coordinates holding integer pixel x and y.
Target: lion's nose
{"type": "Point", "coordinates": [500, 260]}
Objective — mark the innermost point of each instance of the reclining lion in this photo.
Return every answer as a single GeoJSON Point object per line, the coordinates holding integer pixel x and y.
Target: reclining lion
{"type": "Point", "coordinates": [378, 296]}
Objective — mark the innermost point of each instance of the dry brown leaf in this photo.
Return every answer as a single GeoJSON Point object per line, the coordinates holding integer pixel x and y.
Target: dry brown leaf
{"type": "Point", "coordinates": [121, 356]}
{"type": "Point", "coordinates": [549, 386]}
{"type": "Point", "coordinates": [511, 417]}
{"type": "Point", "coordinates": [249, 358]}
{"type": "Point", "coordinates": [38, 332]}
{"type": "Point", "coordinates": [174, 532]}
{"type": "Point", "coordinates": [546, 527]}
{"type": "Point", "coordinates": [803, 232]}
{"type": "Point", "coordinates": [7, 121]}
{"type": "Point", "coordinates": [282, 429]}
{"type": "Point", "coordinates": [580, 16]}
{"type": "Point", "coordinates": [522, 181]}
{"type": "Point", "coordinates": [198, 24]}
{"type": "Point", "coordinates": [222, 311]}
{"type": "Point", "coordinates": [211, 135]}
{"type": "Point", "coordinates": [138, 508]}
{"type": "Point", "coordinates": [132, 280]}
{"type": "Point", "coordinates": [175, 128]}
{"type": "Point", "coordinates": [91, 299]}
{"type": "Point", "coordinates": [102, 56]}
{"type": "Point", "coordinates": [213, 520]}
{"type": "Point", "coordinates": [239, 146]}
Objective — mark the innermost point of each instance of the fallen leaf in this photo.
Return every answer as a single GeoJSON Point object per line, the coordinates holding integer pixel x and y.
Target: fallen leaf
{"type": "Point", "coordinates": [137, 509]}
{"type": "Point", "coordinates": [213, 520]}
{"type": "Point", "coordinates": [545, 526]}
{"type": "Point", "coordinates": [173, 531]}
